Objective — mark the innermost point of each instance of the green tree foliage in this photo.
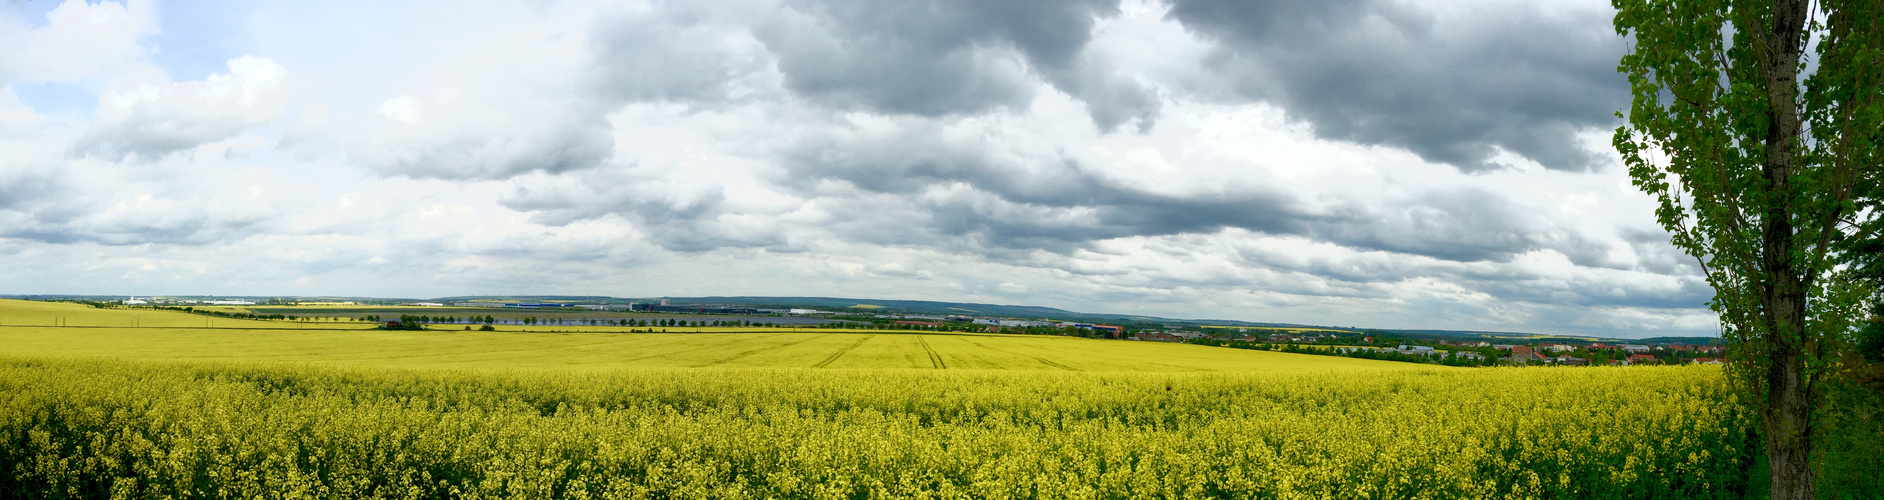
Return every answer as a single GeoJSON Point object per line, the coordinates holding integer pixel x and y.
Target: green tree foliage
{"type": "Point", "coordinates": [1871, 341]}
{"type": "Point", "coordinates": [1760, 164]}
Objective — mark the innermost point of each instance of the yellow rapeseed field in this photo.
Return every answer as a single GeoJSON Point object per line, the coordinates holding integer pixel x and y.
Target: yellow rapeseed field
{"type": "Point", "coordinates": [176, 412]}
{"type": "Point", "coordinates": [16, 314]}
{"type": "Point", "coordinates": [572, 347]}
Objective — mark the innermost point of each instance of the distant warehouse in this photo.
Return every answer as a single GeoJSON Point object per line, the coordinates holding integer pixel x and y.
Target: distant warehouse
{"type": "Point", "coordinates": [692, 309]}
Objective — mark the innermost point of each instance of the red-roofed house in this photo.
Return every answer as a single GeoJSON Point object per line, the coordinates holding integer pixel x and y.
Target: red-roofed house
{"type": "Point", "coordinates": [1159, 337]}
{"type": "Point", "coordinates": [1525, 354]}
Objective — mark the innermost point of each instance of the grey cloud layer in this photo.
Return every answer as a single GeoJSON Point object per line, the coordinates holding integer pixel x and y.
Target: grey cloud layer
{"type": "Point", "coordinates": [686, 52]}
{"type": "Point", "coordinates": [671, 218]}
{"type": "Point", "coordinates": [1372, 72]}
{"type": "Point", "coordinates": [1022, 200]}
{"type": "Point", "coordinates": [1025, 196]}
{"type": "Point", "coordinates": [926, 59]}
{"type": "Point", "coordinates": [576, 141]}
{"type": "Point", "coordinates": [62, 215]}
{"type": "Point", "coordinates": [1378, 72]}
{"type": "Point", "coordinates": [934, 134]}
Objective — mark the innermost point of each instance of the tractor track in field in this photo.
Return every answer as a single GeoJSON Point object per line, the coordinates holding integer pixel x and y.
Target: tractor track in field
{"type": "Point", "coordinates": [935, 360]}
{"type": "Point", "coordinates": [511, 351]}
{"type": "Point", "coordinates": [671, 353]}
{"type": "Point", "coordinates": [184, 327]}
{"type": "Point", "coordinates": [841, 352]}
{"type": "Point", "coordinates": [763, 349]}
{"type": "Point", "coordinates": [1042, 360]}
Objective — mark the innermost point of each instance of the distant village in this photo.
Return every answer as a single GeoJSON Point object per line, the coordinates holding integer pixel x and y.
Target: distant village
{"type": "Point", "coordinates": [1371, 344]}
{"type": "Point", "coordinates": [1478, 351]}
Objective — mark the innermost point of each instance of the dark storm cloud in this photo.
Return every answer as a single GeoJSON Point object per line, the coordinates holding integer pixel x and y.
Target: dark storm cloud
{"type": "Point", "coordinates": [1381, 73]}
{"type": "Point", "coordinates": [1024, 201]}
{"type": "Point", "coordinates": [686, 52]}
{"type": "Point", "coordinates": [698, 54]}
{"type": "Point", "coordinates": [1690, 294]}
{"type": "Point", "coordinates": [1013, 200]}
{"type": "Point", "coordinates": [148, 136]}
{"type": "Point", "coordinates": [1113, 211]}
{"type": "Point", "coordinates": [188, 229]}
{"type": "Point", "coordinates": [938, 58]}
{"type": "Point", "coordinates": [1655, 253]}
{"type": "Point", "coordinates": [560, 144]}
{"type": "Point", "coordinates": [23, 190]}
{"type": "Point", "coordinates": [681, 222]}
{"type": "Point", "coordinates": [67, 208]}
{"type": "Point", "coordinates": [1459, 225]}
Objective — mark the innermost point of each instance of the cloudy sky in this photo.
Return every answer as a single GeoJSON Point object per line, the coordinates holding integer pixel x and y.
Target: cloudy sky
{"type": "Point", "coordinates": [1344, 162]}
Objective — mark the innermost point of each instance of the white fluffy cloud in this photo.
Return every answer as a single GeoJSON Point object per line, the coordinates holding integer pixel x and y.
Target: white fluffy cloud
{"type": "Point", "coordinates": [827, 147]}
{"type": "Point", "coordinates": [149, 120]}
{"type": "Point", "coordinates": [78, 41]}
{"type": "Point", "coordinates": [506, 105]}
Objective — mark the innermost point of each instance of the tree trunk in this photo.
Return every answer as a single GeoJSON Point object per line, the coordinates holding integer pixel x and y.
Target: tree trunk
{"type": "Point", "coordinates": [1788, 427]}
{"type": "Point", "coordinates": [1788, 409]}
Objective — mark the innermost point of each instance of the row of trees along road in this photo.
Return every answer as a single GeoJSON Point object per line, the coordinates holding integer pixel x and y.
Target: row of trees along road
{"type": "Point", "coordinates": [1756, 124]}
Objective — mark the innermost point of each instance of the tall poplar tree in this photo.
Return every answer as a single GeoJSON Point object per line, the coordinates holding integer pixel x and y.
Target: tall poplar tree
{"type": "Point", "coordinates": [1755, 124]}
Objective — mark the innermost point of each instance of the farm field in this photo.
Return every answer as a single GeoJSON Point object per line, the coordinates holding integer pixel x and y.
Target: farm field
{"type": "Point", "coordinates": [1276, 329]}
{"type": "Point", "coordinates": [598, 347]}
{"type": "Point", "coordinates": [24, 313]}
{"type": "Point", "coordinates": [566, 314]}
{"type": "Point", "coordinates": [355, 413]}
{"type": "Point", "coordinates": [508, 350]}
{"type": "Point", "coordinates": [93, 428]}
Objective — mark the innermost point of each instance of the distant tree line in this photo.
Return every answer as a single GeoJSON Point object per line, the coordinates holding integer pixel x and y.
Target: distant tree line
{"type": "Point", "coordinates": [1438, 357]}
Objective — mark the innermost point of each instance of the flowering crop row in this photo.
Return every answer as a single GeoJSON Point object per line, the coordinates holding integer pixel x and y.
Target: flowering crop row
{"type": "Point", "coordinates": [103, 429]}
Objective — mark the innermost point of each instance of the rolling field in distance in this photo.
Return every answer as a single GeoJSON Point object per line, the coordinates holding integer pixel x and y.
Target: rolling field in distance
{"type": "Point", "coordinates": [339, 410]}
{"type": "Point", "coordinates": [24, 313]}
{"type": "Point", "coordinates": [508, 350]}
{"type": "Point", "coordinates": [1274, 329]}
{"type": "Point", "coordinates": [588, 347]}
{"type": "Point", "coordinates": [571, 314]}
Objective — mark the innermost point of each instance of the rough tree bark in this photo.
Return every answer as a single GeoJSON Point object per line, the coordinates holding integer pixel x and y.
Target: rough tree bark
{"type": "Point", "coordinates": [1788, 398]}
{"type": "Point", "coordinates": [1753, 164]}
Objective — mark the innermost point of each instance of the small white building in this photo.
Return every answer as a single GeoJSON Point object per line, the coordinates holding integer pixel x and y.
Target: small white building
{"type": "Point", "coordinates": [134, 301]}
{"type": "Point", "coordinates": [1003, 322]}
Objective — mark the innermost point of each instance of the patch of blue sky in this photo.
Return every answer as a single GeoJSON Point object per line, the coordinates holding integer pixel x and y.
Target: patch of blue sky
{"type": "Point", "coordinates": [198, 37]}
{"type": "Point", "coordinates": [56, 98]}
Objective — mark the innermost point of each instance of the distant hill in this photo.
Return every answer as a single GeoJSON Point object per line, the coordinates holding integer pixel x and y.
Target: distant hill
{"type": "Point", "coordinates": [937, 308]}
{"type": "Point", "coordinates": [1676, 340]}
{"type": "Point", "coordinates": [577, 299]}
{"type": "Point", "coordinates": [903, 306]}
